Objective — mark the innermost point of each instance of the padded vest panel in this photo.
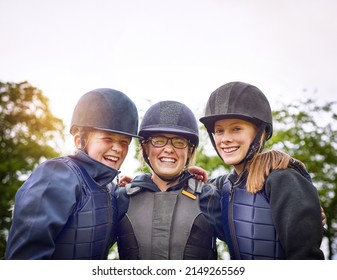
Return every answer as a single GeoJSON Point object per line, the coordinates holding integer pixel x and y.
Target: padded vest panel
{"type": "Point", "coordinates": [164, 225]}
{"type": "Point", "coordinates": [90, 230]}
{"type": "Point", "coordinates": [249, 226]}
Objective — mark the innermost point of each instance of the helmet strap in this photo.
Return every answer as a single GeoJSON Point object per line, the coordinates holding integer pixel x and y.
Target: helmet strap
{"type": "Point", "coordinates": [255, 147]}
{"type": "Point", "coordinates": [82, 141]}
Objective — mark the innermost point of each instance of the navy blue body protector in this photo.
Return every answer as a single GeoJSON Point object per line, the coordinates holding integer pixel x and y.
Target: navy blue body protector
{"type": "Point", "coordinates": [90, 230]}
{"type": "Point", "coordinates": [250, 231]}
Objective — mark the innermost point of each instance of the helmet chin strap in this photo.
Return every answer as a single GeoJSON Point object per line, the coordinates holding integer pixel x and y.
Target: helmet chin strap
{"type": "Point", "coordinates": [255, 147]}
{"type": "Point", "coordinates": [173, 179]}
{"type": "Point", "coordinates": [82, 141]}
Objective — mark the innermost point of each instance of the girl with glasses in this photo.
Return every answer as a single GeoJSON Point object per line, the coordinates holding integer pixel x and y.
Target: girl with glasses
{"type": "Point", "coordinates": [168, 214]}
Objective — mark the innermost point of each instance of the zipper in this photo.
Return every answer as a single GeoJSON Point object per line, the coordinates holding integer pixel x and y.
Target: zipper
{"type": "Point", "coordinates": [231, 223]}
{"type": "Point", "coordinates": [105, 250]}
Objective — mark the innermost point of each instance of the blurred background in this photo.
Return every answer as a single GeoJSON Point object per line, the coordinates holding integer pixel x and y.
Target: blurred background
{"type": "Point", "coordinates": [52, 52]}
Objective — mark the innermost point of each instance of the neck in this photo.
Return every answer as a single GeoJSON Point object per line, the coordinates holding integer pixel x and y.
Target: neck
{"type": "Point", "coordinates": [238, 168]}
{"type": "Point", "coordinates": [161, 184]}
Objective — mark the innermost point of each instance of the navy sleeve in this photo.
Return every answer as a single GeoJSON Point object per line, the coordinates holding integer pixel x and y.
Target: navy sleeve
{"type": "Point", "coordinates": [122, 202]}
{"type": "Point", "coordinates": [42, 207]}
{"type": "Point", "coordinates": [211, 208]}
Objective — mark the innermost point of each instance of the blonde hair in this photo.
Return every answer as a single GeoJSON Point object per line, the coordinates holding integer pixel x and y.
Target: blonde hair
{"type": "Point", "coordinates": [262, 164]}
{"type": "Point", "coordinates": [85, 135]}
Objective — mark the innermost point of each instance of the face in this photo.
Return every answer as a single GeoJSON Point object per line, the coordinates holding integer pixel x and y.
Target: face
{"type": "Point", "coordinates": [232, 139]}
{"type": "Point", "coordinates": [107, 148]}
{"type": "Point", "coordinates": [167, 161]}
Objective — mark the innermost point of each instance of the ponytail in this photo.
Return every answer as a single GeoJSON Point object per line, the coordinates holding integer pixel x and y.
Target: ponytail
{"type": "Point", "coordinates": [262, 165]}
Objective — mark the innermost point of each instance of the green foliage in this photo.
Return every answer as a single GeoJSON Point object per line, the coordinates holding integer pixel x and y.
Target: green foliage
{"type": "Point", "coordinates": [29, 134]}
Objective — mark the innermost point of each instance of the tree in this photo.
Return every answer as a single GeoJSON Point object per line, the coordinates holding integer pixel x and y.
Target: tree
{"type": "Point", "coordinates": [29, 134]}
{"type": "Point", "coordinates": [307, 131]}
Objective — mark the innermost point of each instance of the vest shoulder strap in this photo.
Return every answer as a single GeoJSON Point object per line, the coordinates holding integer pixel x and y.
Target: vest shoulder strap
{"type": "Point", "coordinates": [131, 191]}
{"type": "Point", "coordinates": [195, 186]}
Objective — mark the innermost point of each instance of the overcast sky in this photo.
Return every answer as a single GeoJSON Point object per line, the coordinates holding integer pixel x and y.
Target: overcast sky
{"type": "Point", "coordinates": [178, 49]}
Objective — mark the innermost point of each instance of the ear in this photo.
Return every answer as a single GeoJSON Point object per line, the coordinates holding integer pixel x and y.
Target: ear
{"type": "Point", "coordinates": [77, 140]}
{"type": "Point", "coordinates": [145, 147]}
{"type": "Point", "coordinates": [191, 151]}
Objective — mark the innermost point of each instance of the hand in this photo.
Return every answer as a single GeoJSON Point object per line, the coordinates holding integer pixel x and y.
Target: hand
{"type": "Point", "coordinates": [200, 174]}
{"type": "Point", "coordinates": [123, 180]}
{"type": "Point", "coordinates": [323, 217]}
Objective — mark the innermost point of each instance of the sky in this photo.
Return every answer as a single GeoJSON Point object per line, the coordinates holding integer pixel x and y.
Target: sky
{"type": "Point", "coordinates": [169, 50]}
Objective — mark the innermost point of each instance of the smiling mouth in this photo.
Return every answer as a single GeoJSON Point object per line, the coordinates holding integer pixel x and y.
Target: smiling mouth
{"type": "Point", "coordinates": [230, 150]}
{"type": "Point", "coordinates": [111, 158]}
{"type": "Point", "coordinates": [167, 160]}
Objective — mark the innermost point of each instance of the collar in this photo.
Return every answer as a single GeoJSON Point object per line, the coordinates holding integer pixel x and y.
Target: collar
{"type": "Point", "coordinates": [144, 181]}
{"type": "Point", "coordinates": [101, 173]}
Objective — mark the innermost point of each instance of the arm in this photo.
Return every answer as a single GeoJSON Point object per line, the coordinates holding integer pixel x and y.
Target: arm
{"type": "Point", "coordinates": [211, 207]}
{"type": "Point", "coordinates": [42, 207]}
{"type": "Point", "coordinates": [123, 180]}
{"type": "Point", "coordinates": [200, 174]}
{"type": "Point", "coordinates": [296, 213]}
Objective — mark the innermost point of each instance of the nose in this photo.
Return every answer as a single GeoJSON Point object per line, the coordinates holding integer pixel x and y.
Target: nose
{"type": "Point", "coordinates": [116, 146]}
{"type": "Point", "coordinates": [169, 147]}
{"type": "Point", "coordinates": [226, 137]}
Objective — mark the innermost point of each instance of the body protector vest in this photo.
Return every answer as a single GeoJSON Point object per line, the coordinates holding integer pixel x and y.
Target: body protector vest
{"type": "Point", "coordinates": [165, 225]}
{"type": "Point", "coordinates": [250, 232]}
{"type": "Point", "coordinates": [90, 230]}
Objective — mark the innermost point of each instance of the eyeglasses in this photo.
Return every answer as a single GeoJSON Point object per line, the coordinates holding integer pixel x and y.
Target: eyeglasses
{"type": "Point", "coordinates": [161, 141]}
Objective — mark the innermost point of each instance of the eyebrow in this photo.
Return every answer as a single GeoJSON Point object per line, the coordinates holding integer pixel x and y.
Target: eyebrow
{"type": "Point", "coordinates": [231, 123]}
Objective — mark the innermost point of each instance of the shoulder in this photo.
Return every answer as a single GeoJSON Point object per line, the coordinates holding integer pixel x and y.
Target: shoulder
{"type": "Point", "coordinates": [288, 180]}
{"type": "Point", "coordinates": [218, 181]}
{"type": "Point", "coordinates": [288, 175]}
{"type": "Point", "coordinates": [56, 166]}
{"type": "Point", "coordinates": [205, 191]}
{"type": "Point", "coordinates": [56, 174]}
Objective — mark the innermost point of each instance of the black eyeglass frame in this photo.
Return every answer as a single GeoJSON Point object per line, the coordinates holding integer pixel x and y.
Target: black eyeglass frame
{"type": "Point", "coordinates": [167, 139]}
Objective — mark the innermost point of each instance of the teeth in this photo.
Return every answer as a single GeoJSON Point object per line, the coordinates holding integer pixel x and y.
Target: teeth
{"type": "Point", "coordinates": [229, 150]}
{"type": "Point", "coordinates": [112, 158]}
{"type": "Point", "coordinates": [167, 160]}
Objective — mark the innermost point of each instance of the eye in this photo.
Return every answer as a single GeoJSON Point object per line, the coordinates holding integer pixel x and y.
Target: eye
{"type": "Point", "coordinates": [159, 141]}
{"type": "Point", "coordinates": [107, 139]}
{"type": "Point", "coordinates": [125, 143]}
{"type": "Point", "coordinates": [179, 142]}
{"type": "Point", "coordinates": [218, 131]}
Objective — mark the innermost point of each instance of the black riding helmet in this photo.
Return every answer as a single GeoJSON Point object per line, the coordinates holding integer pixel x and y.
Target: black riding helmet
{"type": "Point", "coordinates": [169, 117]}
{"type": "Point", "coordinates": [242, 101]}
{"type": "Point", "coordinates": [106, 109]}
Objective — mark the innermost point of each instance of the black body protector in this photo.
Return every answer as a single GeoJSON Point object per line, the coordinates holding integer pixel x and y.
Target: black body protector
{"type": "Point", "coordinates": [166, 226]}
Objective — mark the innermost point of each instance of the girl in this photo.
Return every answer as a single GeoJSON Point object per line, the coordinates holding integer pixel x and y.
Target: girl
{"type": "Point", "coordinates": [168, 214]}
{"type": "Point", "coordinates": [270, 209]}
{"type": "Point", "coordinates": [67, 209]}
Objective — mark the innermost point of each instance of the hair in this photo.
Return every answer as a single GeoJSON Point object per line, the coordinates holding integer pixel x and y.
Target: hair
{"type": "Point", "coordinates": [262, 164]}
{"type": "Point", "coordinates": [85, 135]}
